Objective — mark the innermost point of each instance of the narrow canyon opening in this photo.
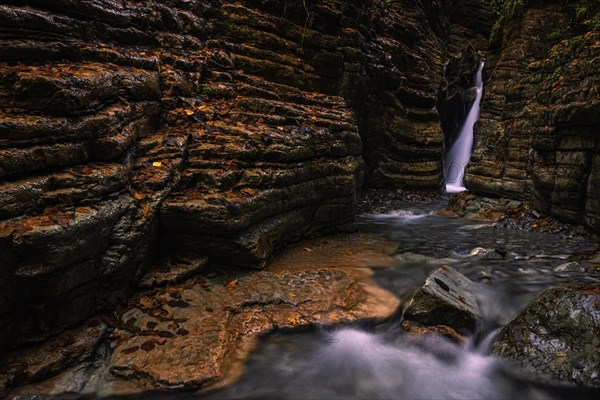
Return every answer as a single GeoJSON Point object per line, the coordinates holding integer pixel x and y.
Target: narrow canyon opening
{"type": "Point", "coordinates": [459, 105]}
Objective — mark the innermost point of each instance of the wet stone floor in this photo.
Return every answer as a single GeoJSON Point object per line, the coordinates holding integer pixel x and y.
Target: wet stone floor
{"type": "Point", "coordinates": [323, 320]}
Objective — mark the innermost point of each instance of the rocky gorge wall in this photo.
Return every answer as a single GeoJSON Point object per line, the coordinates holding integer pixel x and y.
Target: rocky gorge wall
{"type": "Point", "coordinates": [136, 129]}
{"type": "Point", "coordinates": [538, 134]}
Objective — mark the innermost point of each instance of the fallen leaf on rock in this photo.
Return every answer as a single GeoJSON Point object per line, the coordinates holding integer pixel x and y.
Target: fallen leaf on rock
{"type": "Point", "coordinates": [156, 164]}
{"type": "Point", "coordinates": [248, 191]}
{"type": "Point", "coordinates": [231, 285]}
{"type": "Point", "coordinates": [146, 302]}
{"type": "Point", "coordinates": [189, 112]}
{"type": "Point", "coordinates": [130, 350]}
{"type": "Point", "coordinates": [148, 345]}
{"type": "Point", "coordinates": [116, 336]}
{"type": "Point", "coordinates": [183, 332]}
{"type": "Point", "coordinates": [156, 313]}
{"type": "Point", "coordinates": [147, 210]}
{"type": "Point", "coordinates": [6, 231]}
{"type": "Point", "coordinates": [308, 250]}
{"type": "Point", "coordinates": [139, 196]}
{"type": "Point", "coordinates": [178, 303]}
{"type": "Point", "coordinates": [166, 313]}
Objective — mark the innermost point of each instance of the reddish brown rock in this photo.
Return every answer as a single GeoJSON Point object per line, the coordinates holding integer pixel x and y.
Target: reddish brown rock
{"type": "Point", "coordinates": [196, 333]}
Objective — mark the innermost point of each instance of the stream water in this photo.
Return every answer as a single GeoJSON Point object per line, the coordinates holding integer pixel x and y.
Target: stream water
{"type": "Point", "coordinates": [378, 360]}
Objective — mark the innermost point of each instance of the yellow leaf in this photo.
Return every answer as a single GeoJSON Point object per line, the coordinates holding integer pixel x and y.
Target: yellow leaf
{"type": "Point", "coordinates": [189, 112]}
{"type": "Point", "coordinates": [280, 128]}
{"type": "Point", "coordinates": [248, 191]}
{"type": "Point", "coordinates": [6, 231]}
{"type": "Point", "coordinates": [146, 302]}
{"type": "Point", "coordinates": [231, 285]}
{"type": "Point", "coordinates": [156, 164]}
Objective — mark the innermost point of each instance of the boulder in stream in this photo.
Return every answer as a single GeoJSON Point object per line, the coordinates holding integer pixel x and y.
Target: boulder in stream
{"type": "Point", "coordinates": [445, 299]}
{"type": "Point", "coordinates": [558, 334]}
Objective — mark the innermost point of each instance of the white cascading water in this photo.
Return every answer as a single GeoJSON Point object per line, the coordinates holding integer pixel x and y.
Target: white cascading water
{"type": "Point", "coordinates": [459, 153]}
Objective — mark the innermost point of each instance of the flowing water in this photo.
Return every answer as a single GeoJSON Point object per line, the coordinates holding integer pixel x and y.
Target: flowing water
{"type": "Point", "coordinates": [378, 360]}
{"type": "Point", "coordinates": [459, 154]}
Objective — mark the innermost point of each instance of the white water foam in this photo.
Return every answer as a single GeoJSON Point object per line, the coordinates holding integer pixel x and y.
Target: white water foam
{"type": "Point", "coordinates": [403, 215]}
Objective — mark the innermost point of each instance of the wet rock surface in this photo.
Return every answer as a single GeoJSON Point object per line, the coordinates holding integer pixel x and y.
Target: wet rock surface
{"type": "Point", "coordinates": [558, 334]}
{"type": "Point", "coordinates": [509, 213]}
{"type": "Point", "coordinates": [385, 200]}
{"type": "Point", "coordinates": [445, 299]}
{"type": "Point", "coordinates": [196, 333]}
{"type": "Point", "coordinates": [537, 139]}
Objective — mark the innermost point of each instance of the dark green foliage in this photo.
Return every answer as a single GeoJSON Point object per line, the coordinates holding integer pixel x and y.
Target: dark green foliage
{"type": "Point", "coordinates": [584, 15]}
{"type": "Point", "coordinates": [504, 10]}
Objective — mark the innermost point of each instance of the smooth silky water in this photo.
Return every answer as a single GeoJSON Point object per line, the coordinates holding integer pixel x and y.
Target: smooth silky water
{"type": "Point", "coordinates": [458, 155]}
{"type": "Point", "coordinates": [378, 360]}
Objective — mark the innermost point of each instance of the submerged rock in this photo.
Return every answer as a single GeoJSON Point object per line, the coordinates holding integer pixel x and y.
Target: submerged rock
{"type": "Point", "coordinates": [558, 334]}
{"type": "Point", "coordinates": [444, 299]}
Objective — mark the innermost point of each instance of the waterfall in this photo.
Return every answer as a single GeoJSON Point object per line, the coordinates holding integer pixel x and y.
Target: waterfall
{"type": "Point", "coordinates": [458, 155]}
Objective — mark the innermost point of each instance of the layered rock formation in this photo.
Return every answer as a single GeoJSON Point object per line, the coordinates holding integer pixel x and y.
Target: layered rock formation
{"type": "Point", "coordinates": [537, 138]}
{"type": "Point", "coordinates": [219, 129]}
{"type": "Point", "coordinates": [126, 130]}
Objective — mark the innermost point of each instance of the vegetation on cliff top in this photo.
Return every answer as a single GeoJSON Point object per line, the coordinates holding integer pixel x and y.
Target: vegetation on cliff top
{"type": "Point", "coordinates": [584, 16]}
{"type": "Point", "coordinates": [565, 39]}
